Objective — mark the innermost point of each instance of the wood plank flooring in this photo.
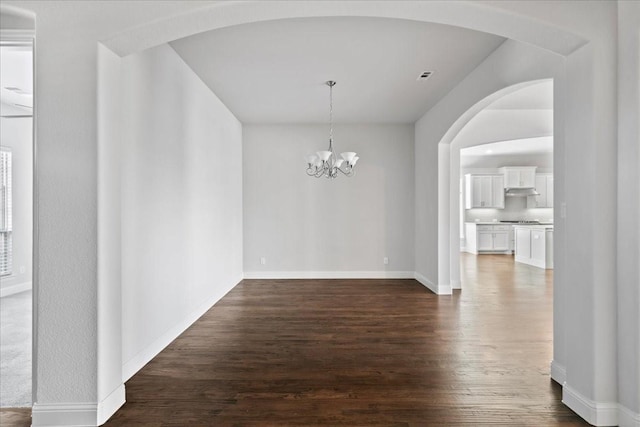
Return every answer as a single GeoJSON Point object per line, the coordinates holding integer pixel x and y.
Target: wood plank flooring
{"type": "Point", "coordinates": [362, 353]}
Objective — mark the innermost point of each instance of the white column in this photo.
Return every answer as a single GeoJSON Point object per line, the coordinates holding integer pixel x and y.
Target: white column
{"type": "Point", "coordinates": [591, 330]}
{"type": "Point", "coordinates": [628, 213]}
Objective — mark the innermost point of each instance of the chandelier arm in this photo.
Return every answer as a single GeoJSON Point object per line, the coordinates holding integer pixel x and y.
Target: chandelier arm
{"type": "Point", "coordinates": [350, 172]}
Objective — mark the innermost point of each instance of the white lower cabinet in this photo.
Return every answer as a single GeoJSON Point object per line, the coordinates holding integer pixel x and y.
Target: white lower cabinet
{"type": "Point", "coordinates": [534, 246]}
{"type": "Point", "coordinates": [487, 238]}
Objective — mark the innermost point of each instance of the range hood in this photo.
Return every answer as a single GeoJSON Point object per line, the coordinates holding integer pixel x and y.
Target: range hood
{"type": "Point", "coordinates": [521, 192]}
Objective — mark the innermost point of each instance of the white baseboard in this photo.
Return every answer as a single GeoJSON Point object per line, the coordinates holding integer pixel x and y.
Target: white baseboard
{"type": "Point", "coordinates": [14, 289]}
{"type": "Point", "coordinates": [558, 372]}
{"type": "Point", "coordinates": [64, 414]}
{"type": "Point", "coordinates": [77, 414]}
{"type": "Point", "coordinates": [628, 418]}
{"type": "Point", "coordinates": [137, 362]}
{"type": "Point", "coordinates": [455, 284]}
{"type": "Point", "coordinates": [329, 274]}
{"type": "Point", "coordinates": [110, 405]}
{"type": "Point", "coordinates": [595, 413]}
{"type": "Point", "coordinates": [436, 289]}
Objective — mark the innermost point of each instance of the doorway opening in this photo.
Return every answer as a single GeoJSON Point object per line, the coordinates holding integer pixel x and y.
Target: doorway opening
{"type": "Point", "coordinates": [16, 218]}
{"type": "Point", "coordinates": [502, 176]}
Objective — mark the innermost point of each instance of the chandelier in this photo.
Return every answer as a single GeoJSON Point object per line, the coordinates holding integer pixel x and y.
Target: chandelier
{"type": "Point", "coordinates": [326, 163]}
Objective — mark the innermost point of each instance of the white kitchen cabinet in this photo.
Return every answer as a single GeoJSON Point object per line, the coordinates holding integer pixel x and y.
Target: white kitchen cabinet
{"type": "Point", "coordinates": [519, 177]}
{"type": "Point", "coordinates": [544, 186]}
{"type": "Point", "coordinates": [523, 243]}
{"type": "Point", "coordinates": [484, 191]}
{"type": "Point", "coordinates": [487, 238]}
{"type": "Point", "coordinates": [501, 241]}
{"type": "Point", "coordinates": [534, 245]}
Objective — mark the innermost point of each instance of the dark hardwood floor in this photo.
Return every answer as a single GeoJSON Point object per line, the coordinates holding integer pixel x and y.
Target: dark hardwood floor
{"type": "Point", "coordinates": [360, 353]}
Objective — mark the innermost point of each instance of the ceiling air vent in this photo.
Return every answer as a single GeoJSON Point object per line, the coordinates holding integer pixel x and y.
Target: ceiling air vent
{"type": "Point", "coordinates": [424, 76]}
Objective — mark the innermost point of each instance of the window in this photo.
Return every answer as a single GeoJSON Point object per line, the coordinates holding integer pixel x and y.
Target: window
{"type": "Point", "coordinates": [5, 213]}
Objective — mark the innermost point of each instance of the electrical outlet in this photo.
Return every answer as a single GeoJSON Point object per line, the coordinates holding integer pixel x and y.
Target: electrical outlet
{"type": "Point", "coordinates": [263, 261]}
{"type": "Point", "coordinates": [385, 260]}
{"type": "Point", "coordinates": [22, 269]}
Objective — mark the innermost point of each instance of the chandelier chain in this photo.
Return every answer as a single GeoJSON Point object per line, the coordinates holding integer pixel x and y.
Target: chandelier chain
{"type": "Point", "coordinates": [331, 116]}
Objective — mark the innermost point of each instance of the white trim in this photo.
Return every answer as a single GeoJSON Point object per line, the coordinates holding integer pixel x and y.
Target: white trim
{"type": "Point", "coordinates": [137, 362]}
{"type": "Point", "coordinates": [15, 289]}
{"type": "Point", "coordinates": [9, 35]}
{"type": "Point", "coordinates": [77, 414]}
{"type": "Point", "coordinates": [436, 289]}
{"type": "Point", "coordinates": [64, 414]}
{"type": "Point", "coordinates": [110, 404]}
{"type": "Point", "coordinates": [595, 413]}
{"type": "Point", "coordinates": [328, 275]}
{"type": "Point", "coordinates": [558, 372]}
{"type": "Point", "coordinates": [455, 284]}
{"type": "Point", "coordinates": [628, 418]}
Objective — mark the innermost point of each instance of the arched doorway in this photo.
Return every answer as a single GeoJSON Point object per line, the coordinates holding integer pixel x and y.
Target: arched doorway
{"type": "Point", "coordinates": [586, 88]}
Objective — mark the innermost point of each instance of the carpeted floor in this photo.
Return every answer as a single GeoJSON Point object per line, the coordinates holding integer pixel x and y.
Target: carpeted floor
{"type": "Point", "coordinates": [15, 350]}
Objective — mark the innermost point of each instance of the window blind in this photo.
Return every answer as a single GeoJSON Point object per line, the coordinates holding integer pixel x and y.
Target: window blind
{"type": "Point", "coordinates": [6, 222]}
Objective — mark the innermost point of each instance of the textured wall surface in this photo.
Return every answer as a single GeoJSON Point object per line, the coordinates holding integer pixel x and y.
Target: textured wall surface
{"type": "Point", "coordinates": [300, 223]}
{"type": "Point", "coordinates": [181, 198]}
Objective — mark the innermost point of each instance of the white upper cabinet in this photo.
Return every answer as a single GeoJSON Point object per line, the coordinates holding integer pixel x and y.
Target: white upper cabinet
{"type": "Point", "coordinates": [519, 177]}
{"type": "Point", "coordinates": [544, 186]}
{"type": "Point", "coordinates": [484, 191]}
{"type": "Point", "coordinates": [497, 191]}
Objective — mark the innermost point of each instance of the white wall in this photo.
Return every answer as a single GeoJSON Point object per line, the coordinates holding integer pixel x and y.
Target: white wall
{"type": "Point", "coordinates": [15, 133]}
{"type": "Point", "coordinates": [111, 391]}
{"type": "Point", "coordinates": [629, 211]}
{"type": "Point", "coordinates": [511, 64]}
{"type": "Point", "coordinates": [181, 202]}
{"type": "Point", "coordinates": [303, 225]}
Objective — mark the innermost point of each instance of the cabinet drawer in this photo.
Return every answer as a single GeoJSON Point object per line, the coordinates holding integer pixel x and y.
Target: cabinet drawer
{"type": "Point", "coordinates": [484, 227]}
{"type": "Point", "coordinates": [502, 227]}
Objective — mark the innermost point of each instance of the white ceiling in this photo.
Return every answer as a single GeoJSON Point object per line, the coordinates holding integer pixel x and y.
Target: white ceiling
{"type": "Point", "coordinates": [16, 81]}
{"type": "Point", "coordinates": [538, 96]}
{"type": "Point", "coordinates": [541, 145]}
{"type": "Point", "coordinates": [520, 123]}
{"type": "Point", "coordinates": [274, 72]}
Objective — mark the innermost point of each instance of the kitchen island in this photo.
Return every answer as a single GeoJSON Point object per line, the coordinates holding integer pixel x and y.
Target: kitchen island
{"type": "Point", "coordinates": [534, 244]}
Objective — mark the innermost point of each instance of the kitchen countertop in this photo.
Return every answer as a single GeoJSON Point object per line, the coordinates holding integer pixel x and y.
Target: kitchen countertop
{"type": "Point", "coordinates": [541, 224]}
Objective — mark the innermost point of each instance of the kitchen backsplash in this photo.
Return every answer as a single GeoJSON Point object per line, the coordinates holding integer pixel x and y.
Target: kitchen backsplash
{"type": "Point", "coordinates": [515, 208]}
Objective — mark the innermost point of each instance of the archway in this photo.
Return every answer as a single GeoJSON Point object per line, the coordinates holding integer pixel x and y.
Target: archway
{"type": "Point", "coordinates": [451, 166]}
{"type": "Point", "coordinates": [591, 79]}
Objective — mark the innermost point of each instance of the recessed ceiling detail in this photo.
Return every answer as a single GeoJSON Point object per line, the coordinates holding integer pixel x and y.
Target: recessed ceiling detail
{"type": "Point", "coordinates": [274, 71]}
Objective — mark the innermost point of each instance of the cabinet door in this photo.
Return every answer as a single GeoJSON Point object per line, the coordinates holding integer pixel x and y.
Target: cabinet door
{"type": "Point", "coordinates": [485, 240]}
{"type": "Point", "coordinates": [476, 192]}
{"type": "Point", "coordinates": [527, 177]}
{"type": "Point", "coordinates": [512, 178]}
{"type": "Point", "coordinates": [541, 187]}
{"type": "Point", "coordinates": [523, 243]}
{"type": "Point", "coordinates": [501, 240]}
{"type": "Point", "coordinates": [537, 245]}
{"type": "Point", "coordinates": [497, 192]}
{"type": "Point", "coordinates": [550, 191]}
{"type": "Point", "coordinates": [485, 191]}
